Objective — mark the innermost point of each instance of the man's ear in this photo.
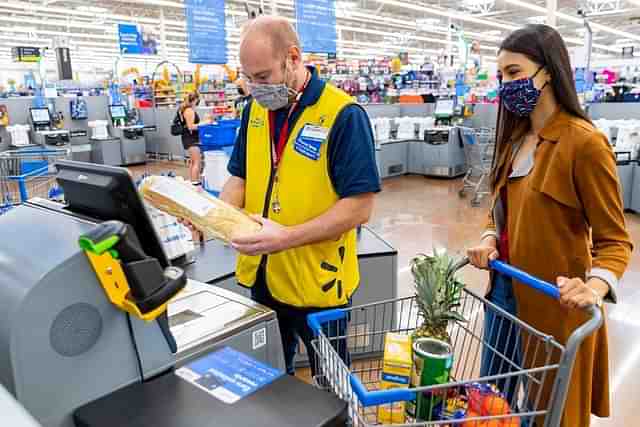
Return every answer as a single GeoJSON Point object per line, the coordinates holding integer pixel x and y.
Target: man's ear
{"type": "Point", "coordinates": [295, 54]}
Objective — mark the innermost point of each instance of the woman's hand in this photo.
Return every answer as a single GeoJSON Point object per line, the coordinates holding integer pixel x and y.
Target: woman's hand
{"type": "Point", "coordinates": [574, 293]}
{"type": "Point", "coordinates": [485, 252]}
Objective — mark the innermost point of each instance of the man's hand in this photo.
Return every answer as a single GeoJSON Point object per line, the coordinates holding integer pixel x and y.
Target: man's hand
{"type": "Point", "coordinates": [272, 238]}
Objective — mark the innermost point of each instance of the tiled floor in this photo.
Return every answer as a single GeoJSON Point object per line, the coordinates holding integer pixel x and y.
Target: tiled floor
{"type": "Point", "coordinates": [416, 214]}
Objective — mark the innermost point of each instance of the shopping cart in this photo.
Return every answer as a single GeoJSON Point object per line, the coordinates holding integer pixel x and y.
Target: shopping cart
{"type": "Point", "coordinates": [479, 145]}
{"type": "Point", "coordinates": [537, 365]}
{"type": "Point", "coordinates": [28, 172]}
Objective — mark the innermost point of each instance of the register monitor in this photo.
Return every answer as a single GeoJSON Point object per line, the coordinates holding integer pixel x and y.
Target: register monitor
{"type": "Point", "coordinates": [108, 193]}
{"type": "Point", "coordinates": [444, 108]}
{"type": "Point", "coordinates": [117, 112]}
{"type": "Point", "coordinates": [40, 116]}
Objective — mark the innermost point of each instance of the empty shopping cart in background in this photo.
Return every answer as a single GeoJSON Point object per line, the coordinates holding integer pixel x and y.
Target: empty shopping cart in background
{"type": "Point", "coordinates": [479, 145]}
{"type": "Point", "coordinates": [535, 365]}
{"type": "Point", "coordinates": [27, 173]}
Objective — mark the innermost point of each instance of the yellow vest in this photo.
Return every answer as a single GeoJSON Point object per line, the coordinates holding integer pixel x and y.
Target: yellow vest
{"type": "Point", "coordinates": [320, 275]}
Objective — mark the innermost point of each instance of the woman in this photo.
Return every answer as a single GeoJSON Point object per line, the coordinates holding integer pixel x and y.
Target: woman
{"type": "Point", "coordinates": [243, 99]}
{"type": "Point", "coordinates": [557, 214]}
{"type": "Point", "coordinates": [190, 136]}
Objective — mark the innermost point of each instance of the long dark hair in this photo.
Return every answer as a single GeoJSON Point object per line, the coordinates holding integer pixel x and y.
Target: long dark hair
{"type": "Point", "coordinates": [544, 46]}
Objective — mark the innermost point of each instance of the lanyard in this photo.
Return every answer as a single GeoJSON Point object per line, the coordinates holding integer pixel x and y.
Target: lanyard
{"type": "Point", "coordinates": [278, 149]}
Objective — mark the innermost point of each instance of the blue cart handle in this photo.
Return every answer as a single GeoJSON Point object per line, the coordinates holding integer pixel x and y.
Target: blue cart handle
{"type": "Point", "coordinates": [537, 284]}
{"type": "Point", "coordinates": [316, 320]}
{"type": "Point", "coordinates": [509, 270]}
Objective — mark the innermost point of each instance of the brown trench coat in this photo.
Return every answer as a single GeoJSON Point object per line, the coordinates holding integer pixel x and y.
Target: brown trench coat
{"type": "Point", "coordinates": [565, 218]}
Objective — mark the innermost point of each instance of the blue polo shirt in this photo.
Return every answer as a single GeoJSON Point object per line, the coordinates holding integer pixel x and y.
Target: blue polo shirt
{"type": "Point", "coordinates": [352, 161]}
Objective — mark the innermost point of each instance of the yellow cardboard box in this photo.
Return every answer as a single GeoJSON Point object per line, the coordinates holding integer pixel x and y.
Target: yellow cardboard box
{"type": "Point", "coordinates": [396, 373]}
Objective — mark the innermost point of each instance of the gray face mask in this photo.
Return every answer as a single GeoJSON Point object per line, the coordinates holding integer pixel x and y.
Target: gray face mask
{"type": "Point", "coordinates": [272, 96]}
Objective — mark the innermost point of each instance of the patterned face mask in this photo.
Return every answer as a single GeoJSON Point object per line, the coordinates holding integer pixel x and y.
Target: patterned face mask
{"type": "Point", "coordinates": [273, 96]}
{"type": "Point", "coordinates": [520, 97]}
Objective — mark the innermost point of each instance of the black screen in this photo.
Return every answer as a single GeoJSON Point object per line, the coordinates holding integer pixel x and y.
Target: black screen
{"type": "Point", "coordinates": [108, 193]}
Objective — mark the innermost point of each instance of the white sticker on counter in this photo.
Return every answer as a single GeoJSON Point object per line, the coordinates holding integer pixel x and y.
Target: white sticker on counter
{"type": "Point", "coordinates": [259, 338]}
{"type": "Point", "coordinates": [228, 375]}
{"type": "Point", "coordinates": [193, 201]}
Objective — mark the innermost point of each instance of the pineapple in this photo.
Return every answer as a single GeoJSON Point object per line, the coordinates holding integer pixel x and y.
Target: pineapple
{"type": "Point", "coordinates": [438, 294]}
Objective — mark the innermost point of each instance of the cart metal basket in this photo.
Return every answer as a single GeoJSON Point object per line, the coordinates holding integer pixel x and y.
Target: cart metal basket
{"type": "Point", "coordinates": [27, 173]}
{"type": "Point", "coordinates": [537, 365]}
{"type": "Point", "coordinates": [479, 145]}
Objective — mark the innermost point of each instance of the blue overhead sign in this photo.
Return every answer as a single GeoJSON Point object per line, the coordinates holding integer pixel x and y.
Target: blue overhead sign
{"type": "Point", "coordinates": [135, 40]}
{"type": "Point", "coordinates": [316, 25]}
{"type": "Point", "coordinates": [206, 34]}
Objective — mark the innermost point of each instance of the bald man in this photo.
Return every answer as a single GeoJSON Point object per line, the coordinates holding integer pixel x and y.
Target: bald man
{"type": "Point", "coordinates": [304, 166]}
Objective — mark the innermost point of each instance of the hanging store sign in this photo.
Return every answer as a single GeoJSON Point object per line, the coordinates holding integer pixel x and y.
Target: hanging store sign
{"type": "Point", "coordinates": [316, 25]}
{"type": "Point", "coordinates": [137, 40]}
{"type": "Point", "coordinates": [63, 59]}
{"type": "Point", "coordinates": [26, 54]}
{"type": "Point", "coordinates": [206, 34]}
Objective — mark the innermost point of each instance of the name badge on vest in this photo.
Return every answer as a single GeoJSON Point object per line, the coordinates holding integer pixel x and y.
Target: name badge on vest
{"type": "Point", "coordinates": [309, 141]}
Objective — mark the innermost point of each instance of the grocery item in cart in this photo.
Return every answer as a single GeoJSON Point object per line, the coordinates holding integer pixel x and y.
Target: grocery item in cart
{"type": "Point", "coordinates": [209, 214]}
{"type": "Point", "coordinates": [486, 400]}
{"type": "Point", "coordinates": [432, 362]}
{"type": "Point", "coordinates": [396, 371]}
{"type": "Point", "coordinates": [438, 295]}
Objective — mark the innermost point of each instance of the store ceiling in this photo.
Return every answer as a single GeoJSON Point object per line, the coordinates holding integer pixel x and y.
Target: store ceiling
{"type": "Point", "coordinates": [366, 27]}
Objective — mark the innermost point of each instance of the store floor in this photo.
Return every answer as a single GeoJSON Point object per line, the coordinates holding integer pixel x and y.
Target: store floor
{"type": "Point", "coordinates": [416, 214]}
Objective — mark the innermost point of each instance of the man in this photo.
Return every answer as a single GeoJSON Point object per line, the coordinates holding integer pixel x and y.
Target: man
{"type": "Point", "coordinates": [304, 166]}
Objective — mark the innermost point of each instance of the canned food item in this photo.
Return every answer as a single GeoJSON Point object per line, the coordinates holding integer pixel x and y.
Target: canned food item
{"type": "Point", "coordinates": [432, 362]}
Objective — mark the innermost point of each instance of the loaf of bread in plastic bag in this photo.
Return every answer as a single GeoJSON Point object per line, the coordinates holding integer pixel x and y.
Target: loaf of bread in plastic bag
{"type": "Point", "coordinates": [209, 214]}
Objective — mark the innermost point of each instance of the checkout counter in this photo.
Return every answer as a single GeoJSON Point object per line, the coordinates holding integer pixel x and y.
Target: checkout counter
{"type": "Point", "coordinates": [44, 133]}
{"type": "Point", "coordinates": [126, 142]}
{"type": "Point", "coordinates": [94, 320]}
{"type": "Point", "coordinates": [42, 130]}
{"type": "Point", "coordinates": [439, 152]}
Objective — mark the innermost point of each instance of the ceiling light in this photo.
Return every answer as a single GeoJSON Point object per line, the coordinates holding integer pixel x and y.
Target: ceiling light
{"type": "Point", "coordinates": [92, 9]}
{"type": "Point", "coordinates": [574, 19]}
{"type": "Point", "coordinates": [599, 6]}
{"type": "Point", "coordinates": [427, 22]}
{"type": "Point", "coordinates": [449, 14]}
{"type": "Point", "coordinates": [537, 19]}
{"type": "Point", "coordinates": [626, 42]}
{"type": "Point", "coordinates": [494, 33]}
{"type": "Point", "coordinates": [346, 5]}
{"type": "Point", "coordinates": [478, 6]}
